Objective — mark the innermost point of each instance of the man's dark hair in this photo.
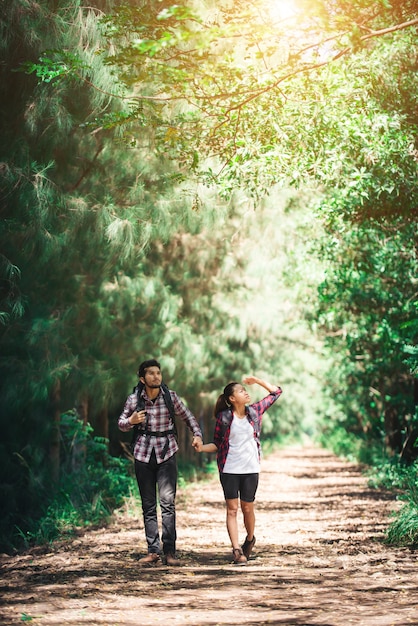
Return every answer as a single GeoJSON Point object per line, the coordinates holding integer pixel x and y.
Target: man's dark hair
{"type": "Point", "coordinates": [145, 365]}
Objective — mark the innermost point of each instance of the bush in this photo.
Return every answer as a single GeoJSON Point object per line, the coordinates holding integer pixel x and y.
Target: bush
{"type": "Point", "coordinates": [396, 476]}
{"type": "Point", "coordinates": [404, 530]}
{"type": "Point", "coordinates": [341, 442]}
{"type": "Point", "coordinates": [392, 474]}
{"type": "Point", "coordinates": [92, 485]}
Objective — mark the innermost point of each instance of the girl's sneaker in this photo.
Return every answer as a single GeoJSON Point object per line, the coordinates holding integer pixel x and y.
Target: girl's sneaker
{"type": "Point", "coordinates": [247, 547]}
{"type": "Point", "coordinates": [239, 558]}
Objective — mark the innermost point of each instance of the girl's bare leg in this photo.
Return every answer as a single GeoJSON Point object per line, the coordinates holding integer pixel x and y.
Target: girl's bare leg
{"type": "Point", "coordinates": [231, 521]}
{"type": "Point", "coordinates": [249, 518]}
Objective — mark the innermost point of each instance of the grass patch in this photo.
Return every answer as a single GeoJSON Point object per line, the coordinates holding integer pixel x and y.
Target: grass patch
{"type": "Point", "coordinates": [403, 479]}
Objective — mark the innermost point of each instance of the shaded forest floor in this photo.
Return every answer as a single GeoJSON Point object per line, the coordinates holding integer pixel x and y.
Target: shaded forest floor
{"type": "Point", "coordinates": [319, 560]}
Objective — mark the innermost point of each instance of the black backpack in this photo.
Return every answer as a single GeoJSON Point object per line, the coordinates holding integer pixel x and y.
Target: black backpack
{"type": "Point", "coordinates": [140, 429]}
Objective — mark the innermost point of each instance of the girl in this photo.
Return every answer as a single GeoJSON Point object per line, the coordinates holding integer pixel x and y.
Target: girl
{"type": "Point", "coordinates": [237, 443]}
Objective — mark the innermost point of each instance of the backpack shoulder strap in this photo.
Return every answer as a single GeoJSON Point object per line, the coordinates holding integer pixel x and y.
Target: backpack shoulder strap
{"type": "Point", "coordinates": [252, 412]}
{"type": "Point", "coordinates": [255, 419]}
{"type": "Point", "coordinates": [168, 400]}
{"type": "Point", "coordinates": [170, 406]}
{"type": "Point", "coordinates": [139, 399]}
{"type": "Point", "coordinates": [225, 419]}
{"type": "Point", "coordinates": [140, 404]}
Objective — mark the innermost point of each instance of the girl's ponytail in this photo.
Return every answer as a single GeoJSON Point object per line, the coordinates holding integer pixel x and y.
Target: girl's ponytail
{"type": "Point", "coordinates": [222, 403]}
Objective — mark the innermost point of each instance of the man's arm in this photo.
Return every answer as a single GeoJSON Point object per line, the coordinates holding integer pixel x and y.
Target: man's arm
{"type": "Point", "coordinates": [130, 416]}
{"type": "Point", "coordinates": [187, 416]}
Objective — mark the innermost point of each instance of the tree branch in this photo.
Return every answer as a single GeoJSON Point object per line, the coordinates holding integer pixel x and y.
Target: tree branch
{"type": "Point", "coordinates": [254, 95]}
{"type": "Point", "coordinates": [377, 33]}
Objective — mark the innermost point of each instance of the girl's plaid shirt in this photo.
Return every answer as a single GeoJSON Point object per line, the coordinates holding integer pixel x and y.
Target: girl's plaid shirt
{"type": "Point", "coordinates": [254, 415]}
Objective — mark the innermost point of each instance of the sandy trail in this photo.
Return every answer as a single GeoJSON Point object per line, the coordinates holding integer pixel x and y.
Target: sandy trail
{"type": "Point", "coordinates": [319, 560]}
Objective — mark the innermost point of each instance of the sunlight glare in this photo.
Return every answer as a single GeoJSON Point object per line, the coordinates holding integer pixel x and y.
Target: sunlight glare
{"type": "Point", "coordinates": [281, 9]}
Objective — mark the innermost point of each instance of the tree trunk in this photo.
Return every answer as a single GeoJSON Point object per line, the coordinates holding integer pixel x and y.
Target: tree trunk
{"type": "Point", "coordinates": [409, 452]}
{"type": "Point", "coordinates": [102, 423]}
{"type": "Point", "coordinates": [79, 448]}
{"type": "Point", "coordinates": [55, 438]}
{"type": "Point", "coordinates": [393, 431]}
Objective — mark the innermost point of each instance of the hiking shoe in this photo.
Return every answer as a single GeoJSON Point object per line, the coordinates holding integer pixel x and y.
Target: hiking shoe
{"type": "Point", "coordinates": [151, 559]}
{"type": "Point", "coordinates": [239, 558]}
{"type": "Point", "coordinates": [171, 560]}
{"type": "Point", "coordinates": [247, 547]}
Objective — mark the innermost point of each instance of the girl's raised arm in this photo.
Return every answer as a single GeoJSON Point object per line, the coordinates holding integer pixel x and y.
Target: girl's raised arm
{"type": "Point", "coordinates": [251, 380]}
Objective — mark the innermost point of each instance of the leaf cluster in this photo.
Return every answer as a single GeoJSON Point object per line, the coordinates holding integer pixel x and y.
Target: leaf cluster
{"type": "Point", "coordinates": [250, 92]}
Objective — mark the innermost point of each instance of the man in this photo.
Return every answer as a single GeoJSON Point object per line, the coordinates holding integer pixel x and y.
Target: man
{"type": "Point", "coordinates": [155, 457]}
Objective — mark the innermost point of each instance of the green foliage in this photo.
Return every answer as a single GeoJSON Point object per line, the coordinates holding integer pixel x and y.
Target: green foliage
{"type": "Point", "coordinates": [11, 305]}
{"type": "Point", "coordinates": [334, 436]}
{"type": "Point", "coordinates": [411, 351]}
{"type": "Point", "coordinates": [241, 107]}
{"type": "Point", "coordinates": [394, 475]}
{"type": "Point", "coordinates": [116, 259]}
{"type": "Point", "coordinates": [190, 471]}
{"type": "Point", "coordinates": [367, 300]}
{"type": "Point", "coordinates": [366, 306]}
{"type": "Point", "coordinates": [53, 65]}
{"type": "Point", "coordinates": [116, 246]}
{"type": "Point", "coordinates": [88, 491]}
{"type": "Point", "coordinates": [404, 531]}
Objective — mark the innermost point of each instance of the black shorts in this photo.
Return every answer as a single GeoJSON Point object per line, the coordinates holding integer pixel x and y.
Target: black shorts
{"type": "Point", "coordinates": [242, 485]}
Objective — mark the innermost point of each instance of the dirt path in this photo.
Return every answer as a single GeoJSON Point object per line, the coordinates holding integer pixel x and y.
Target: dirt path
{"type": "Point", "coordinates": [318, 560]}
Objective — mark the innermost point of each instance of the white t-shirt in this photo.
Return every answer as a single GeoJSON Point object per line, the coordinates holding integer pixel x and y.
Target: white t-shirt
{"type": "Point", "coordinates": [242, 457]}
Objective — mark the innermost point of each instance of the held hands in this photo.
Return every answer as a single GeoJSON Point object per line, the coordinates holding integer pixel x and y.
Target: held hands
{"type": "Point", "coordinates": [197, 444]}
{"type": "Point", "coordinates": [206, 447]}
{"type": "Point", "coordinates": [138, 417]}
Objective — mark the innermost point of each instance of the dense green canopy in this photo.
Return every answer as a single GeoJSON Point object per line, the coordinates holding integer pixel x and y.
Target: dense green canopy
{"type": "Point", "coordinates": [224, 186]}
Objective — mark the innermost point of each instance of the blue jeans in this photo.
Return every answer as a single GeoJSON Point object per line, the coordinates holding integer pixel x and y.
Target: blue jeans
{"type": "Point", "coordinates": [164, 475]}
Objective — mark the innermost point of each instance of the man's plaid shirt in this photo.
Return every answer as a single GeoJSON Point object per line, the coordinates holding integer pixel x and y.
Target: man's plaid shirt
{"type": "Point", "coordinates": [158, 420]}
{"type": "Point", "coordinates": [255, 416]}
